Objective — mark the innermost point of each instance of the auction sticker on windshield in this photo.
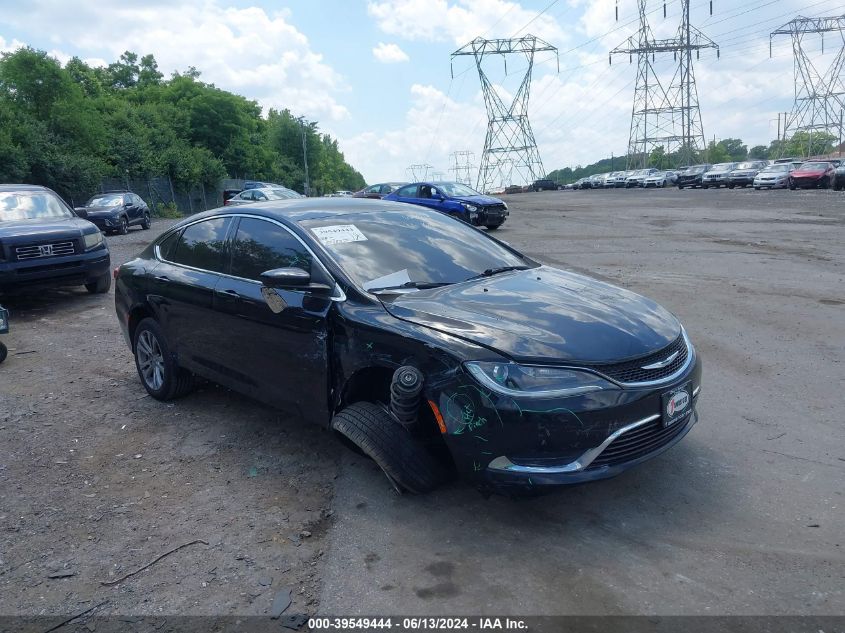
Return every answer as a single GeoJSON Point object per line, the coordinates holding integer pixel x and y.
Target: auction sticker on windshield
{"type": "Point", "coordinates": [338, 234]}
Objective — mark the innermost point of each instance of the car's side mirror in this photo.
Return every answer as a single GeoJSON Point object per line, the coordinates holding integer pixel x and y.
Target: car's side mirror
{"type": "Point", "coordinates": [292, 279]}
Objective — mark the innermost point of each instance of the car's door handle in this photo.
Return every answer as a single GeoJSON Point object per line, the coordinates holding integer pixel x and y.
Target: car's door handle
{"type": "Point", "coordinates": [162, 278]}
{"type": "Point", "coordinates": [229, 294]}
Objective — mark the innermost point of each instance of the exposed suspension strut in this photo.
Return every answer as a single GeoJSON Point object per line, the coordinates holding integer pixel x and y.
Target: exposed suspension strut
{"type": "Point", "coordinates": [405, 391]}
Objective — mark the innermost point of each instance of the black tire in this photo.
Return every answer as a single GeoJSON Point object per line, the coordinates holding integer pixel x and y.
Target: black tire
{"type": "Point", "coordinates": [705, 186]}
{"type": "Point", "coordinates": [123, 229]}
{"type": "Point", "coordinates": [4, 351]}
{"type": "Point", "coordinates": [101, 286]}
{"type": "Point", "coordinates": [792, 186]}
{"type": "Point", "coordinates": [493, 227]}
{"type": "Point", "coordinates": [730, 186]}
{"type": "Point", "coordinates": [825, 183]}
{"type": "Point", "coordinates": [175, 381]}
{"type": "Point", "coordinates": [406, 463]}
{"type": "Point", "coordinates": [680, 187]}
{"type": "Point", "coordinates": [756, 188]}
{"type": "Point", "coordinates": [147, 221]}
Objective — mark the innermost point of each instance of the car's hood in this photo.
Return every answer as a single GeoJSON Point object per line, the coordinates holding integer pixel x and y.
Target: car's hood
{"type": "Point", "coordinates": [744, 172]}
{"type": "Point", "coordinates": [544, 315]}
{"type": "Point", "coordinates": [99, 210]}
{"type": "Point", "coordinates": [46, 229]}
{"type": "Point", "coordinates": [479, 200]}
{"type": "Point", "coordinates": [773, 174]}
{"type": "Point", "coordinates": [809, 172]}
{"type": "Point", "coordinates": [717, 173]}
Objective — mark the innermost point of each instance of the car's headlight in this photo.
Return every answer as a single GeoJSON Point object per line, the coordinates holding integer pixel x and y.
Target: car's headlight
{"type": "Point", "coordinates": [505, 205]}
{"type": "Point", "coordinates": [92, 240]}
{"type": "Point", "coordinates": [535, 382]}
{"type": "Point", "coordinates": [469, 207]}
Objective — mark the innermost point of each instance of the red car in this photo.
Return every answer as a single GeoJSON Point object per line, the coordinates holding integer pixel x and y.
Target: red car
{"type": "Point", "coordinates": [812, 174]}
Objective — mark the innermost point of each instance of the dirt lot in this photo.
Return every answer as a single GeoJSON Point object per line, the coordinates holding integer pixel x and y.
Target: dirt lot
{"type": "Point", "coordinates": [744, 516]}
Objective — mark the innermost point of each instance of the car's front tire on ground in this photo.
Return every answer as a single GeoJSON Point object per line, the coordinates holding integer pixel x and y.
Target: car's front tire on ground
{"type": "Point", "coordinates": [101, 286]}
{"type": "Point", "coordinates": [4, 351]}
{"type": "Point", "coordinates": [123, 229]}
{"type": "Point", "coordinates": [161, 376]}
{"type": "Point", "coordinates": [147, 222]}
{"type": "Point", "coordinates": [405, 461]}
{"type": "Point", "coordinates": [493, 227]}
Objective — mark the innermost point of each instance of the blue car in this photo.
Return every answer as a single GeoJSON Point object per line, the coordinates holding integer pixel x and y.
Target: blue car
{"type": "Point", "coordinates": [455, 199]}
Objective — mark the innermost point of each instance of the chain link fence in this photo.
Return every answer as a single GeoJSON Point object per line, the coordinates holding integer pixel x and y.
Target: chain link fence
{"type": "Point", "coordinates": [159, 192]}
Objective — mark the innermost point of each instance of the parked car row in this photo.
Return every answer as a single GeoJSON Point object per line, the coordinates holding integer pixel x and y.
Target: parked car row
{"type": "Point", "coordinates": [760, 174]}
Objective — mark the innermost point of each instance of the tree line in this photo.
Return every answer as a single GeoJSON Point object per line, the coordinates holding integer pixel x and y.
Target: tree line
{"type": "Point", "coordinates": [724, 151]}
{"type": "Point", "coordinates": [69, 127]}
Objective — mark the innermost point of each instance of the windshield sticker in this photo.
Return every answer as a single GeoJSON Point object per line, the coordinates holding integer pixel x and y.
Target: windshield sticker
{"type": "Point", "coordinates": [338, 234]}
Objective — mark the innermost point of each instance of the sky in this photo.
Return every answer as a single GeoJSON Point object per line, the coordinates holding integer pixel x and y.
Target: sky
{"type": "Point", "coordinates": [378, 75]}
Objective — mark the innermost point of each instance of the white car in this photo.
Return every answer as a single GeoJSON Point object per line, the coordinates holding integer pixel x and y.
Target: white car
{"type": "Point", "coordinates": [661, 179]}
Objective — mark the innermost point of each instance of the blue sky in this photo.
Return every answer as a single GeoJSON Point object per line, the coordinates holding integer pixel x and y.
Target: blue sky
{"type": "Point", "coordinates": [376, 74]}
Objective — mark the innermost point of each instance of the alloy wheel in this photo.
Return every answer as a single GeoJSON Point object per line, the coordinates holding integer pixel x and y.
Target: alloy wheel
{"type": "Point", "coordinates": [150, 360]}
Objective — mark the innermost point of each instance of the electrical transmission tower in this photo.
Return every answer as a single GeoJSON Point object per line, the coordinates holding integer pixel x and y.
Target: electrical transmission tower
{"type": "Point", "coordinates": [509, 141]}
{"type": "Point", "coordinates": [418, 172]}
{"type": "Point", "coordinates": [463, 166]}
{"type": "Point", "coordinates": [438, 176]}
{"type": "Point", "coordinates": [819, 99]}
{"type": "Point", "coordinates": [665, 114]}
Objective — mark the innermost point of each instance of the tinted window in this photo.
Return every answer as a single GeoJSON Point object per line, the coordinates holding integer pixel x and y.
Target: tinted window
{"type": "Point", "coordinates": [408, 192]}
{"type": "Point", "coordinates": [203, 245]}
{"type": "Point", "coordinates": [166, 246]}
{"type": "Point", "coordinates": [260, 246]}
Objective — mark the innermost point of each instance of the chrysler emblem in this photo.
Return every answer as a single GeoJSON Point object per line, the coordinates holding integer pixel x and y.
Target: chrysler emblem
{"type": "Point", "coordinates": [662, 363]}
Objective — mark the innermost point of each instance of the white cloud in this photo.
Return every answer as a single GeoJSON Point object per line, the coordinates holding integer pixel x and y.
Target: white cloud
{"type": "Point", "coordinates": [461, 21]}
{"type": "Point", "coordinates": [246, 50]}
{"type": "Point", "coordinates": [389, 53]}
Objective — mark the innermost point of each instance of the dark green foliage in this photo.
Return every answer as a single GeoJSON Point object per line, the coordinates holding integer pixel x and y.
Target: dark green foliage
{"type": "Point", "coordinates": [68, 128]}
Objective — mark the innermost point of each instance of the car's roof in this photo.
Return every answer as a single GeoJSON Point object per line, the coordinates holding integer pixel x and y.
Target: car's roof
{"type": "Point", "coordinates": [12, 187]}
{"type": "Point", "coordinates": [296, 210]}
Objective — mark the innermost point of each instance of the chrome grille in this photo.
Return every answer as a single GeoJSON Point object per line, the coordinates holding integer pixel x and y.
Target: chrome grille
{"type": "Point", "coordinates": [639, 442]}
{"type": "Point", "coordinates": [36, 251]}
{"type": "Point", "coordinates": [632, 370]}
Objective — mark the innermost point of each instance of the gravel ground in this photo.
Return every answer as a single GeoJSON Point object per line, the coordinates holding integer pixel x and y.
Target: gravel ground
{"type": "Point", "coordinates": [744, 516]}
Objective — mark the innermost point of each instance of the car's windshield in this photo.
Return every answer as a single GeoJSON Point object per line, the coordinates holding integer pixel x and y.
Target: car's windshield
{"type": "Point", "coordinates": [778, 167]}
{"type": "Point", "coordinates": [721, 166]}
{"type": "Point", "coordinates": [748, 166]}
{"type": "Point", "coordinates": [456, 189]}
{"type": "Point", "coordinates": [19, 205]}
{"type": "Point", "coordinates": [391, 248]}
{"type": "Point", "coordinates": [815, 166]}
{"type": "Point", "coordinates": [105, 200]}
{"type": "Point", "coordinates": [697, 169]}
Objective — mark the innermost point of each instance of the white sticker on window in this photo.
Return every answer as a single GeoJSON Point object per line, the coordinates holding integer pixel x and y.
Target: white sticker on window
{"type": "Point", "coordinates": [338, 234]}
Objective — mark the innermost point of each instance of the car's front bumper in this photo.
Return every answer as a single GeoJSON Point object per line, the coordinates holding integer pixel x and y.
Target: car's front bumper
{"type": "Point", "coordinates": [740, 181]}
{"type": "Point", "coordinates": [771, 183]}
{"type": "Point", "coordinates": [104, 222]}
{"type": "Point", "coordinates": [70, 270]}
{"type": "Point", "coordinates": [502, 443]}
{"type": "Point", "coordinates": [714, 182]}
{"type": "Point", "coordinates": [812, 181]}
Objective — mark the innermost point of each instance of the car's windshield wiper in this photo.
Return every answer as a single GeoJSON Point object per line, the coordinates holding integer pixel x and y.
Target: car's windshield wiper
{"type": "Point", "coordinates": [495, 271]}
{"type": "Point", "coordinates": [418, 285]}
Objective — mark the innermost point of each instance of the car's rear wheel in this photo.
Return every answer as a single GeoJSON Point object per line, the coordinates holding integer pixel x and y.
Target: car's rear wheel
{"type": "Point", "coordinates": [493, 227]}
{"type": "Point", "coordinates": [147, 222]}
{"type": "Point", "coordinates": [123, 228]}
{"type": "Point", "coordinates": [100, 286]}
{"type": "Point", "coordinates": [372, 430]}
{"type": "Point", "coordinates": [161, 376]}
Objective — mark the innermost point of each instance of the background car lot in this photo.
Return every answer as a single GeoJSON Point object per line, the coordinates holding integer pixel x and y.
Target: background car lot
{"type": "Point", "coordinates": [744, 517]}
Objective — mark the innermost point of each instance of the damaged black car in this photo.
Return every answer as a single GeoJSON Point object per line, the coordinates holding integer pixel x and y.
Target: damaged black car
{"type": "Point", "coordinates": [425, 343]}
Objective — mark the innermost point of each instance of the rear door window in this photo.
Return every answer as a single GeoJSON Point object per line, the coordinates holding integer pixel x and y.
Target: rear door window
{"type": "Point", "coordinates": [203, 245]}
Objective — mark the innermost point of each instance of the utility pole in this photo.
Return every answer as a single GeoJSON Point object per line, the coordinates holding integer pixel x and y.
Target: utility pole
{"type": "Point", "coordinates": [665, 113]}
{"type": "Point", "coordinates": [462, 166]}
{"type": "Point", "coordinates": [509, 141]}
{"type": "Point", "coordinates": [418, 172]}
{"type": "Point", "coordinates": [305, 156]}
{"type": "Point", "coordinates": [818, 96]}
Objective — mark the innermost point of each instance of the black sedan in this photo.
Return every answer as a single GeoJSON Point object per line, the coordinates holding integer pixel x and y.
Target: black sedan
{"type": "Point", "coordinates": [425, 342]}
{"type": "Point", "coordinates": [116, 211]}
